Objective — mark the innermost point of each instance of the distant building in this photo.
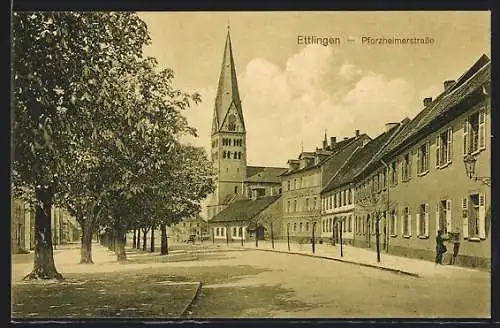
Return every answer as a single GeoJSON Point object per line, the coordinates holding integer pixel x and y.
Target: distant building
{"type": "Point", "coordinates": [194, 226]}
{"type": "Point", "coordinates": [65, 229]}
{"type": "Point", "coordinates": [234, 179]}
{"type": "Point", "coordinates": [305, 178]}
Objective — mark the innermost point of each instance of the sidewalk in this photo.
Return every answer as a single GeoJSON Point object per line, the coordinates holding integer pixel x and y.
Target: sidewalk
{"type": "Point", "coordinates": [360, 256]}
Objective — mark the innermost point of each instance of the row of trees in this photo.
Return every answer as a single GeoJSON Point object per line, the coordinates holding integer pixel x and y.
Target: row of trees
{"type": "Point", "coordinates": [96, 129]}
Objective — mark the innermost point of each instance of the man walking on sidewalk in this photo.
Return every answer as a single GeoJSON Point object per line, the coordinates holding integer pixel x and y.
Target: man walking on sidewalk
{"type": "Point", "coordinates": [440, 247]}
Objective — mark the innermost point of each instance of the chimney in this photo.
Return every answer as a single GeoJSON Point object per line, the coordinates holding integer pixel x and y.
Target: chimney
{"type": "Point", "coordinates": [427, 101]}
{"type": "Point", "coordinates": [333, 141]}
{"type": "Point", "coordinates": [448, 84]}
{"type": "Point", "coordinates": [357, 133]}
{"type": "Point", "coordinates": [389, 126]}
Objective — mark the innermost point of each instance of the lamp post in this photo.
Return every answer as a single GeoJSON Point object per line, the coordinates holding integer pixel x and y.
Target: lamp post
{"type": "Point", "coordinates": [470, 168]}
{"type": "Point", "coordinates": [312, 240]}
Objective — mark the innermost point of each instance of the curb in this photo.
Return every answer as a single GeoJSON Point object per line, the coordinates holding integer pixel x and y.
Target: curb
{"type": "Point", "coordinates": [415, 275]}
{"type": "Point", "coordinates": [190, 303]}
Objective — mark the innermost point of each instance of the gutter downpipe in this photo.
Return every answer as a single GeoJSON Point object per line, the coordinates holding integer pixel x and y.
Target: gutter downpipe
{"type": "Point", "coordinates": [387, 211]}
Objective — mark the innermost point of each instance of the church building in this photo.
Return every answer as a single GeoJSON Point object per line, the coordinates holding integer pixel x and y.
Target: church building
{"type": "Point", "coordinates": [234, 180]}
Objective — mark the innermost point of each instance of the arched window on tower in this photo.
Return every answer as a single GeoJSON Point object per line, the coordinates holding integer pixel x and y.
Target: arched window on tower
{"type": "Point", "coordinates": [235, 155]}
{"type": "Point", "coordinates": [239, 155]}
{"type": "Point", "coordinates": [228, 154]}
{"type": "Point", "coordinates": [224, 154]}
{"type": "Point", "coordinates": [231, 123]}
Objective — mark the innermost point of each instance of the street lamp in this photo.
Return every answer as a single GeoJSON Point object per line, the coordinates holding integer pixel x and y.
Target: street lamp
{"type": "Point", "coordinates": [470, 168]}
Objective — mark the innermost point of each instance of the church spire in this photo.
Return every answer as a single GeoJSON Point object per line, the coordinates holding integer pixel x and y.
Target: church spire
{"type": "Point", "coordinates": [227, 90]}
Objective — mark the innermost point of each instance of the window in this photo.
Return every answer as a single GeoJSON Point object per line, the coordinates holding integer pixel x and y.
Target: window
{"type": "Point", "coordinates": [314, 203]}
{"type": "Point", "coordinates": [393, 223]}
{"type": "Point", "coordinates": [343, 198]}
{"type": "Point", "coordinates": [423, 158]}
{"type": "Point", "coordinates": [295, 226]}
{"type": "Point", "coordinates": [231, 123]}
{"type": "Point", "coordinates": [474, 216]}
{"type": "Point", "coordinates": [288, 185]}
{"type": "Point", "coordinates": [288, 206]}
{"type": "Point", "coordinates": [217, 232]}
{"type": "Point", "coordinates": [307, 226]}
{"type": "Point", "coordinates": [349, 224]}
{"type": "Point", "coordinates": [406, 168]}
{"type": "Point", "coordinates": [224, 154]}
{"type": "Point", "coordinates": [295, 205]}
{"type": "Point", "coordinates": [422, 219]}
{"type": "Point", "coordinates": [300, 225]}
{"type": "Point", "coordinates": [351, 198]}
{"type": "Point", "coordinates": [335, 200]}
{"type": "Point", "coordinates": [235, 189]}
{"type": "Point", "coordinates": [474, 132]}
{"type": "Point", "coordinates": [324, 225]}
{"type": "Point", "coordinates": [406, 222]}
{"type": "Point", "coordinates": [235, 232]}
{"type": "Point", "coordinates": [240, 232]}
{"type": "Point", "coordinates": [394, 173]}
{"type": "Point", "coordinates": [443, 216]}
{"type": "Point", "coordinates": [294, 183]}
{"type": "Point", "coordinates": [307, 204]}
{"type": "Point", "coordinates": [344, 223]}
{"type": "Point", "coordinates": [443, 148]}
{"type": "Point", "coordinates": [228, 154]}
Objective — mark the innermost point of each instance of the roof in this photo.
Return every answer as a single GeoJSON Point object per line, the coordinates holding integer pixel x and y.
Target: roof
{"type": "Point", "coordinates": [470, 81]}
{"type": "Point", "coordinates": [264, 174]}
{"type": "Point", "coordinates": [359, 160]}
{"type": "Point", "coordinates": [244, 210]}
{"type": "Point", "coordinates": [338, 147]}
{"type": "Point", "coordinates": [227, 90]}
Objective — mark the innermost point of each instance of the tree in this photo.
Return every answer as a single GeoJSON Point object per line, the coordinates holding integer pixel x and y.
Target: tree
{"type": "Point", "coordinates": [58, 59]}
{"type": "Point", "coordinates": [378, 205]}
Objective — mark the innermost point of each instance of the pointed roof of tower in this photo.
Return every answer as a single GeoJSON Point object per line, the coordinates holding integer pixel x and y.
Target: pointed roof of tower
{"type": "Point", "coordinates": [227, 91]}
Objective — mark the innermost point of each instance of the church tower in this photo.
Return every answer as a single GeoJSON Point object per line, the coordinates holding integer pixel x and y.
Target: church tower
{"type": "Point", "coordinates": [228, 137]}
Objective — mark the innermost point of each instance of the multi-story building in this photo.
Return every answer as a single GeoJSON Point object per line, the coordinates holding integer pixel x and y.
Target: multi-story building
{"type": "Point", "coordinates": [337, 215]}
{"type": "Point", "coordinates": [65, 229]}
{"type": "Point", "coordinates": [304, 180]}
{"type": "Point", "coordinates": [438, 168]}
{"type": "Point", "coordinates": [233, 178]}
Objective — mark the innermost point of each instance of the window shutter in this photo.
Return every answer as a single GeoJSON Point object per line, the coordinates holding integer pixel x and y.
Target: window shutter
{"type": "Point", "coordinates": [417, 218]}
{"type": "Point", "coordinates": [482, 216]}
{"type": "Point", "coordinates": [449, 145]}
{"type": "Point", "coordinates": [437, 218]}
{"type": "Point", "coordinates": [409, 164]}
{"type": "Point", "coordinates": [465, 217]}
{"type": "Point", "coordinates": [402, 222]}
{"type": "Point", "coordinates": [466, 136]}
{"type": "Point", "coordinates": [419, 162]}
{"type": "Point", "coordinates": [448, 215]}
{"type": "Point", "coordinates": [409, 222]}
{"type": "Point", "coordinates": [426, 232]}
{"type": "Point", "coordinates": [438, 150]}
{"type": "Point", "coordinates": [482, 132]}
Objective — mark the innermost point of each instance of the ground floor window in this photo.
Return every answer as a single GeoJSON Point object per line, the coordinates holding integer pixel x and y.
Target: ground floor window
{"type": "Point", "coordinates": [307, 226]}
{"type": "Point", "coordinates": [406, 218]}
{"type": "Point", "coordinates": [474, 216]}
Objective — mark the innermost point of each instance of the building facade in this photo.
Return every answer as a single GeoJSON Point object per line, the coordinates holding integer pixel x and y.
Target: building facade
{"type": "Point", "coordinates": [303, 182]}
{"type": "Point", "coordinates": [427, 187]}
{"type": "Point", "coordinates": [247, 219]}
{"type": "Point", "coordinates": [338, 222]}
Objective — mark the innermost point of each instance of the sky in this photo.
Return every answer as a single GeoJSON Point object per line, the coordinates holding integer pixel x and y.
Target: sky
{"type": "Point", "coordinates": [292, 92]}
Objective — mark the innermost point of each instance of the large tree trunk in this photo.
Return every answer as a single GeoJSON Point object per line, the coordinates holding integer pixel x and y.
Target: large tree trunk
{"type": "Point", "coordinates": [152, 250]}
{"type": "Point", "coordinates": [44, 267]}
{"type": "Point", "coordinates": [134, 242]}
{"type": "Point", "coordinates": [119, 242]}
{"type": "Point", "coordinates": [86, 246]}
{"type": "Point", "coordinates": [144, 236]}
{"type": "Point", "coordinates": [164, 240]}
{"type": "Point", "coordinates": [138, 243]}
